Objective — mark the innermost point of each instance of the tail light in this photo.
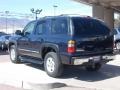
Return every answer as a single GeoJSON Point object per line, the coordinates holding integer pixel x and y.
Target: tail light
{"type": "Point", "coordinates": [71, 46]}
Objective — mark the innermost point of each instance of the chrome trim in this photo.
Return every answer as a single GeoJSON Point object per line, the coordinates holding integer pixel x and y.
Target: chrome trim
{"type": "Point", "coordinates": [80, 61]}
{"type": "Point", "coordinates": [28, 50]}
{"type": "Point", "coordinates": [80, 50]}
{"type": "Point", "coordinates": [110, 57]}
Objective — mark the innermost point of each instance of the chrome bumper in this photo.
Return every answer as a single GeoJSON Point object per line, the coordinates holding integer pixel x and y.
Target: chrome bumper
{"type": "Point", "coordinates": [94, 59]}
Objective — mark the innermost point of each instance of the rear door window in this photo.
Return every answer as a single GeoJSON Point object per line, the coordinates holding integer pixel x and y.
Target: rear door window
{"type": "Point", "coordinates": [41, 28]}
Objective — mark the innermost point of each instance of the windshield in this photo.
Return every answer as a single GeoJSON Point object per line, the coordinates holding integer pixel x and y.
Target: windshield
{"type": "Point", "coordinates": [86, 27]}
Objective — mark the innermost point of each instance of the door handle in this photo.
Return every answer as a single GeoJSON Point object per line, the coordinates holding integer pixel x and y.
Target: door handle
{"type": "Point", "coordinates": [37, 40]}
{"type": "Point", "coordinates": [40, 39]}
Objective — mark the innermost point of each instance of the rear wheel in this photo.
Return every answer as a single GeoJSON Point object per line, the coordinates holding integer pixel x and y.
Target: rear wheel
{"type": "Point", "coordinates": [118, 45]}
{"type": "Point", "coordinates": [53, 65]}
{"type": "Point", "coordinates": [94, 67]}
{"type": "Point", "coordinates": [14, 55]}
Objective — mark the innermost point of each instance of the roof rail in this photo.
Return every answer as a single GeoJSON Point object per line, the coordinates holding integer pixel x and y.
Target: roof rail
{"type": "Point", "coordinates": [74, 15]}
{"type": "Point", "coordinates": [69, 14]}
{"type": "Point", "coordinates": [47, 16]}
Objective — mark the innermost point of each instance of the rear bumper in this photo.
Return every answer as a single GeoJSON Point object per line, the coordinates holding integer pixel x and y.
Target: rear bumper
{"type": "Point", "coordinates": [80, 60]}
{"type": "Point", "coordinates": [92, 59]}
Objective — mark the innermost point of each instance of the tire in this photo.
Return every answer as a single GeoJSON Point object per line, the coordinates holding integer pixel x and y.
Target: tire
{"type": "Point", "coordinates": [53, 65]}
{"type": "Point", "coordinates": [2, 46]}
{"type": "Point", "coordinates": [95, 67]}
{"type": "Point", "coordinates": [14, 55]}
{"type": "Point", "coordinates": [117, 44]}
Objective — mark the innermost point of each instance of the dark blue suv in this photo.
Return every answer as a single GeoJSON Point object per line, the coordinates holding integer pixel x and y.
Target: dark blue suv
{"type": "Point", "coordinates": [63, 40]}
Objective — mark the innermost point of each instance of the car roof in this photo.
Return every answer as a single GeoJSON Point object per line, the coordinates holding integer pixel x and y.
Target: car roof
{"type": "Point", "coordinates": [67, 16]}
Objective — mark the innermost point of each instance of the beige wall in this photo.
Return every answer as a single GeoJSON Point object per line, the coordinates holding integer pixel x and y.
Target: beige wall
{"type": "Point", "coordinates": [106, 14]}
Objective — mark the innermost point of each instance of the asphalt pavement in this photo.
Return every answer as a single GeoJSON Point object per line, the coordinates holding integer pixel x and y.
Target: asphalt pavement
{"type": "Point", "coordinates": [7, 87]}
{"type": "Point", "coordinates": [33, 77]}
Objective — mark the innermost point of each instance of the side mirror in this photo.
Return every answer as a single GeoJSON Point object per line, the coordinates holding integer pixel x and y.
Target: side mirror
{"type": "Point", "coordinates": [26, 34]}
{"type": "Point", "coordinates": [18, 32]}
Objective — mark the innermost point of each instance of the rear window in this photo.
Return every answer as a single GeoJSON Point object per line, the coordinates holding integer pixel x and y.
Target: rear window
{"type": "Point", "coordinates": [89, 27]}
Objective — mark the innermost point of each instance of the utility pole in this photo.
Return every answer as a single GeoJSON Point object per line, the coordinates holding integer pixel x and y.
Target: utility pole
{"type": "Point", "coordinates": [6, 12]}
{"type": "Point", "coordinates": [36, 12]}
{"type": "Point", "coordinates": [55, 6]}
{"type": "Point", "coordinates": [13, 26]}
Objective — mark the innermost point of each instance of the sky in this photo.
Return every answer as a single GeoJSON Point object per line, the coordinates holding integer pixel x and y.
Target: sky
{"type": "Point", "coordinates": [64, 7]}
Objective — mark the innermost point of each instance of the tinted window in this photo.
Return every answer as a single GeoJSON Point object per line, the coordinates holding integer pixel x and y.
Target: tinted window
{"type": "Point", "coordinates": [2, 33]}
{"type": "Point", "coordinates": [115, 31]}
{"type": "Point", "coordinates": [59, 26]}
{"type": "Point", "coordinates": [41, 28]}
{"type": "Point", "coordinates": [119, 29]}
{"type": "Point", "coordinates": [89, 27]}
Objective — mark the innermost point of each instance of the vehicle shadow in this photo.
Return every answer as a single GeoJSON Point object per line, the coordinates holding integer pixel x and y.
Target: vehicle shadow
{"type": "Point", "coordinates": [3, 52]}
{"type": "Point", "coordinates": [106, 72]}
{"type": "Point", "coordinates": [117, 52]}
{"type": "Point", "coordinates": [37, 66]}
{"type": "Point", "coordinates": [79, 73]}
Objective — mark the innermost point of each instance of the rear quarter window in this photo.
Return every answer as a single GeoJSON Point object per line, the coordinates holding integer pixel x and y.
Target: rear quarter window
{"type": "Point", "coordinates": [59, 26]}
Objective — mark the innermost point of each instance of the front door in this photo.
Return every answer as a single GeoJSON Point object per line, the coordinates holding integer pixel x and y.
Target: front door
{"type": "Point", "coordinates": [24, 45]}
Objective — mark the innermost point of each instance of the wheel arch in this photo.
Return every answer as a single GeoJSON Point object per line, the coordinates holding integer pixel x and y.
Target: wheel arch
{"type": "Point", "coordinates": [49, 48]}
{"type": "Point", "coordinates": [10, 44]}
{"type": "Point", "coordinates": [118, 40]}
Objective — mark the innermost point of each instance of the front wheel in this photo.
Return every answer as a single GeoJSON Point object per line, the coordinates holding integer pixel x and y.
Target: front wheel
{"type": "Point", "coordinates": [53, 65]}
{"type": "Point", "coordinates": [14, 55]}
{"type": "Point", "coordinates": [2, 46]}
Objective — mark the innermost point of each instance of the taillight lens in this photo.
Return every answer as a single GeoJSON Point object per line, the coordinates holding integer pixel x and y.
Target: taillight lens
{"type": "Point", "coordinates": [71, 46]}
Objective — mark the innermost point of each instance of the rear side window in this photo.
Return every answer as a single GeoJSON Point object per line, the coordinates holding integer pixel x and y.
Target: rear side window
{"type": "Point", "coordinates": [89, 27]}
{"type": "Point", "coordinates": [59, 26]}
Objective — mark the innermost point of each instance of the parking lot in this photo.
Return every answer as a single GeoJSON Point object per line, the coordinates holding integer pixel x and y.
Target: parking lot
{"type": "Point", "coordinates": [29, 76]}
